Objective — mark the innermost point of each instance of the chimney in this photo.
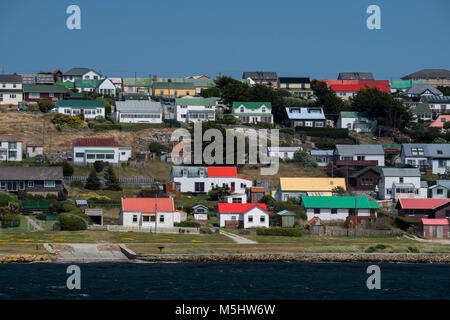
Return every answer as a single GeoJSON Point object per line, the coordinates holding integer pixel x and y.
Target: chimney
{"type": "Point", "coordinates": [155, 77]}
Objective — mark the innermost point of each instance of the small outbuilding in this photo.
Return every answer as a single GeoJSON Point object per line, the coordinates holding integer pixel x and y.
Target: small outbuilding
{"type": "Point", "coordinates": [317, 227]}
{"type": "Point", "coordinates": [96, 215]}
{"type": "Point", "coordinates": [286, 219]}
{"type": "Point", "coordinates": [82, 203]}
{"type": "Point", "coordinates": [33, 149]}
{"type": "Point", "coordinates": [200, 213]}
{"type": "Point", "coordinates": [434, 228]}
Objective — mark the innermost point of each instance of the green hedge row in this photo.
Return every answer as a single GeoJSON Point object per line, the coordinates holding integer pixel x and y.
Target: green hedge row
{"type": "Point", "coordinates": [404, 223]}
{"type": "Point", "coordinates": [286, 232]}
{"type": "Point", "coordinates": [323, 132]}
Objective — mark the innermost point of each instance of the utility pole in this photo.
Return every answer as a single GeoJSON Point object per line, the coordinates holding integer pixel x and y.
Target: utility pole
{"type": "Point", "coordinates": [156, 212]}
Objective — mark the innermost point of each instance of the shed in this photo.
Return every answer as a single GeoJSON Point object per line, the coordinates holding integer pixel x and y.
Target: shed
{"type": "Point", "coordinates": [82, 203]}
{"type": "Point", "coordinates": [200, 213]}
{"type": "Point", "coordinates": [434, 228]}
{"type": "Point", "coordinates": [286, 218]}
{"type": "Point", "coordinates": [317, 227]}
{"type": "Point", "coordinates": [179, 216]}
{"type": "Point", "coordinates": [96, 215]}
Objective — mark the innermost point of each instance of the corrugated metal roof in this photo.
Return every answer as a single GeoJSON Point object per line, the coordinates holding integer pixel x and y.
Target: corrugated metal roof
{"type": "Point", "coordinates": [338, 202]}
{"type": "Point", "coordinates": [305, 113]}
{"type": "Point", "coordinates": [311, 184]}
{"type": "Point", "coordinates": [141, 106]}
{"type": "Point", "coordinates": [31, 173]}
{"type": "Point", "coordinates": [359, 149]}
{"type": "Point", "coordinates": [400, 172]}
{"type": "Point", "coordinates": [251, 105]}
{"type": "Point", "coordinates": [80, 103]}
{"type": "Point", "coordinates": [437, 150]}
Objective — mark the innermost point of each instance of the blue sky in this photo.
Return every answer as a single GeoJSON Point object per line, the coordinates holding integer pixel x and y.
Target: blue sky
{"type": "Point", "coordinates": [179, 37]}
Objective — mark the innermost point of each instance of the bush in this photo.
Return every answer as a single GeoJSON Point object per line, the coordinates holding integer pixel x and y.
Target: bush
{"type": "Point", "coordinates": [64, 121]}
{"type": "Point", "coordinates": [45, 104]}
{"type": "Point", "coordinates": [100, 165]}
{"type": "Point", "coordinates": [285, 232]}
{"type": "Point", "coordinates": [76, 184]}
{"type": "Point", "coordinates": [187, 224]}
{"type": "Point", "coordinates": [404, 223]}
{"type": "Point", "coordinates": [325, 145]}
{"type": "Point", "coordinates": [10, 220]}
{"type": "Point", "coordinates": [72, 222]}
{"type": "Point", "coordinates": [323, 132]}
{"type": "Point", "coordinates": [67, 169]}
{"type": "Point", "coordinates": [93, 182]}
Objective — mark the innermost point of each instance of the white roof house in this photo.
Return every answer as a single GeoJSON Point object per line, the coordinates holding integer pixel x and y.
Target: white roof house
{"type": "Point", "coordinates": [138, 111]}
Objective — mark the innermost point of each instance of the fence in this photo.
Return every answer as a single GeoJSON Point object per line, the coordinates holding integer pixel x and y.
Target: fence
{"type": "Point", "coordinates": [364, 233]}
{"type": "Point", "coordinates": [138, 181]}
{"type": "Point", "coordinates": [146, 229]}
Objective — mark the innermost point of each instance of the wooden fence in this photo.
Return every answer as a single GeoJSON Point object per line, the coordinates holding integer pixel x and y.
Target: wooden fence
{"type": "Point", "coordinates": [362, 233]}
{"type": "Point", "coordinates": [131, 181]}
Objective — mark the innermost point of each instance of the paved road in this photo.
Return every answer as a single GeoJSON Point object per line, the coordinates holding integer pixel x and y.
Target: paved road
{"type": "Point", "coordinates": [86, 252]}
{"type": "Point", "coordinates": [34, 224]}
{"type": "Point", "coordinates": [236, 238]}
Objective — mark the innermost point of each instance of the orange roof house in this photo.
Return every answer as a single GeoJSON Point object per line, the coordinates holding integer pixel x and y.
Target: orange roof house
{"type": "Point", "coordinates": [440, 121]}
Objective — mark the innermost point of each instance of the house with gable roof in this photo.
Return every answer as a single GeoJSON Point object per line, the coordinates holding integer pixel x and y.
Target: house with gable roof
{"type": "Point", "coordinates": [356, 121]}
{"type": "Point", "coordinates": [252, 112]}
{"type": "Point", "coordinates": [416, 209]}
{"type": "Point", "coordinates": [135, 111]}
{"type": "Point", "coordinates": [395, 183]}
{"type": "Point", "coordinates": [243, 215]}
{"type": "Point", "coordinates": [307, 186]}
{"type": "Point", "coordinates": [152, 213]}
{"type": "Point", "coordinates": [305, 117]}
{"type": "Point", "coordinates": [195, 109]}
{"type": "Point", "coordinates": [426, 156]}
{"type": "Point", "coordinates": [86, 151]}
{"type": "Point", "coordinates": [90, 109]}
{"type": "Point", "coordinates": [80, 74]}
{"type": "Point", "coordinates": [421, 89]}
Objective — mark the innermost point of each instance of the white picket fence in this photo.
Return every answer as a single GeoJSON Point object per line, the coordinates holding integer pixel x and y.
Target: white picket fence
{"type": "Point", "coordinates": [144, 229]}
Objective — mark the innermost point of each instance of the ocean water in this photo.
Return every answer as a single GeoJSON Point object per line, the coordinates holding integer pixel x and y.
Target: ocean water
{"type": "Point", "coordinates": [284, 281]}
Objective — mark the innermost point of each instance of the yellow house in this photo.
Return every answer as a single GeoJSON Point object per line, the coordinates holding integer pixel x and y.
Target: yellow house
{"type": "Point", "coordinates": [300, 87]}
{"type": "Point", "coordinates": [308, 186]}
{"type": "Point", "coordinates": [10, 90]}
{"type": "Point", "coordinates": [173, 89]}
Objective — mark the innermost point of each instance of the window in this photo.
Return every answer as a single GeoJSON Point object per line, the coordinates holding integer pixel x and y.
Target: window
{"type": "Point", "coordinates": [49, 183]}
{"type": "Point", "coordinates": [100, 156]}
{"type": "Point", "coordinates": [361, 158]}
{"type": "Point", "coordinates": [441, 163]}
{"type": "Point", "coordinates": [51, 95]}
{"type": "Point", "coordinates": [199, 187]}
{"type": "Point", "coordinates": [146, 218]}
{"type": "Point", "coordinates": [401, 179]}
{"type": "Point", "coordinates": [90, 156]}
{"type": "Point", "coordinates": [79, 155]}
{"type": "Point", "coordinates": [30, 184]}
{"type": "Point", "coordinates": [109, 156]}
{"type": "Point", "coordinates": [418, 151]}
{"type": "Point", "coordinates": [333, 211]}
{"type": "Point", "coordinates": [161, 219]}
{"type": "Point", "coordinates": [316, 211]}
{"type": "Point", "coordinates": [12, 145]}
{"type": "Point", "coordinates": [250, 218]}
{"type": "Point", "coordinates": [3, 185]}
{"type": "Point", "coordinates": [262, 219]}
{"type": "Point", "coordinates": [233, 218]}
{"type": "Point", "coordinates": [12, 154]}
{"type": "Point", "coordinates": [439, 191]}
{"type": "Point", "coordinates": [34, 95]}
{"type": "Point", "coordinates": [152, 218]}
{"type": "Point", "coordinates": [134, 218]}
{"type": "Point", "coordinates": [242, 109]}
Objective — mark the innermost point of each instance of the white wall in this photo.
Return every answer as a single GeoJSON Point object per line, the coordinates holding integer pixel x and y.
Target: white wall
{"type": "Point", "coordinates": [126, 219]}
{"type": "Point", "coordinates": [84, 160]}
{"type": "Point", "coordinates": [139, 117]}
{"type": "Point", "coordinates": [182, 110]}
{"type": "Point", "coordinates": [107, 87]}
{"type": "Point", "coordinates": [188, 183]}
{"type": "Point", "coordinates": [256, 213]}
{"type": "Point", "coordinates": [4, 154]}
{"type": "Point", "coordinates": [88, 113]}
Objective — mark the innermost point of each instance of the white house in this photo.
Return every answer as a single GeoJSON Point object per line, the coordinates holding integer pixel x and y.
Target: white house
{"type": "Point", "coordinates": [135, 111]}
{"type": "Point", "coordinates": [439, 190]}
{"type": "Point", "coordinates": [80, 74]}
{"type": "Point", "coordinates": [422, 89]}
{"type": "Point", "coordinates": [356, 121]}
{"type": "Point", "coordinates": [202, 179]}
{"type": "Point", "coordinates": [195, 109]}
{"type": "Point", "coordinates": [398, 183]}
{"type": "Point", "coordinates": [10, 148]}
{"type": "Point", "coordinates": [305, 117]}
{"type": "Point", "coordinates": [292, 187]}
{"type": "Point", "coordinates": [88, 150]}
{"type": "Point", "coordinates": [252, 112]}
{"type": "Point", "coordinates": [427, 156]}
{"type": "Point", "coordinates": [323, 157]}
{"type": "Point", "coordinates": [90, 109]}
{"type": "Point", "coordinates": [10, 89]}
{"type": "Point", "coordinates": [245, 215]}
{"type": "Point", "coordinates": [33, 149]}
{"type": "Point", "coordinates": [151, 213]}
{"type": "Point", "coordinates": [360, 152]}
{"type": "Point", "coordinates": [106, 87]}
{"type": "Point", "coordinates": [285, 153]}
{"type": "Point", "coordinates": [236, 198]}
{"type": "Point", "coordinates": [438, 104]}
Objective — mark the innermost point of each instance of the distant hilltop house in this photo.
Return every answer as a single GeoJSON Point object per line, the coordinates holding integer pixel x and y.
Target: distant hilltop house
{"type": "Point", "coordinates": [80, 74]}
{"type": "Point", "coordinates": [323, 157]}
{"type": "Point", "coordinates": [434, 157]}
{"type": "Point", "coordinates": [360, 152]}
{"type": "Point", "coordinates": [11, 148]}
{"type": "Point", "coordinates": [398, 183]}
{"type": "Point", "coordinates": [194, 179]}
{"type": "Point", "coordinates": [355, 76]}
{"type": "Point", "coordinates": [117, 82]}
{"type": "Point", "coordinates": [195, 109]}
{"type": "Point", "coordinates": [422, 111]}
{"type": "Point", "coordinates": [307, 186]}
{"type": "Point", "coordinates": [173, 89]}
{"type": "Point", "coordinates": [34, 92]}
{"type": "Point", "coordinates": [342, 208]}
{"type": "Point", "coordinates": [103, 86]}
{"type": "Point", "coordinates": [434, 77]}
{"type": "Point", "coordinates": [419, 90]}
{"type": "Point", "coordinates": [39, 78]}
{"type": "Point", "coordinates": [138, 111]}
{"type": "Point", "coordinates": [106, 87]}
{"type": "Point", "coordinates": [32, 180]}
{"type": "Point", "coordinates": [86, 151]}
{"type": "Point", "coordinates": [305, 117]}
{"type": "Point", "coordinates": [152, 213]}
{"type": "Point", "coordinates": [298, 86]}
{"type": "Point", "coordinates": [10, 90]}
{"type": "Point", "coordinates": [252, 112]}
{"type": "Point", "coordinates": [137, 85]}
{"type": "Point", "coordinates": [402, 85]}
{"type": "Point", "coordinates": [265, 78]}
{"type": "Point", "coordinates": [243, 215]}
{"type": "Point", "coordinates": [440, 190]}
{"type": "Point", "coordinates": [285, 153]}
{"type": "Point", "coordinates": [90, 109]}
{"type": "Point", "coordinates": [356, 121]}
{"type": "Point", "coordinates": [438, 104]}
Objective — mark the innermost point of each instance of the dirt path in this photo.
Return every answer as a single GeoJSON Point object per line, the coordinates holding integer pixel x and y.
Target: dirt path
{"type": "Point", "coordinates": [34, 224]}
{"type": "Point", "coordinates": [429, 241]}
{"type": "Point", "coordinates": [236, 238]}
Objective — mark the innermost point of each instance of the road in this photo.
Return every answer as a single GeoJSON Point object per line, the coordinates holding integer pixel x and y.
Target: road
{"type": "Point", "coordinates": [86, 252]}
{"type": "Point", "coordinates": [236, 238]}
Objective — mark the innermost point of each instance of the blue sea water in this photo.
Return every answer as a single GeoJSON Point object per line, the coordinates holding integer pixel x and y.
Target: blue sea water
{"type": "Point", "coordinates": [272, 281]}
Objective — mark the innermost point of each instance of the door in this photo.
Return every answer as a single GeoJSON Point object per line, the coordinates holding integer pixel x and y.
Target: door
{"type": "Point", "coordinates": [439, 232]}
{"type": "Point", "coordinates": [363, 223]}
{"type": "Point", "coordinates": [432, 231]}
{"type": "Point", "coordinates": [232, 187]}
{"type": "Point", "coordinates": [12, 185]}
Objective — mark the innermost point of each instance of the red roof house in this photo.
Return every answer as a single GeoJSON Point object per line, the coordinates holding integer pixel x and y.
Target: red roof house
{"type": "Point", "coordinates": [434, 228]}
{"type": "Point", "coordinates": [417, 209]}
{"type": "Point", "coordinates": [151, 213]}
{"type": "Point", "coordinates": [95, 142]}
{"type": "Point", "coordinates": [244, 215]}
{"type": "Point", "coordinates": [440, 121]}
{"type": "Point", "coordinates": [222, 171]}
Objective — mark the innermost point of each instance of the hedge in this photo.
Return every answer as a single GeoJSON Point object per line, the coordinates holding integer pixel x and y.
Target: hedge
{"type": "Point", "coordinates": [286, 232]}
{"type": "Point", "coordinates": [323, 132]}
{"type": "Point", "coordinates": [10, 220]}
{"type": "Point", "coordinates": [187, 224]}
{"type": "Point", "coordinates": [404, 223]}
{"type": "Point", "coordinates": [72, 222]}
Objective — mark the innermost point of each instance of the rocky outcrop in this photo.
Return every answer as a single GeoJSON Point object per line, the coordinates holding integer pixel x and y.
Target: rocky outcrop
{"type": "Point", "coordinates": [25, 258]}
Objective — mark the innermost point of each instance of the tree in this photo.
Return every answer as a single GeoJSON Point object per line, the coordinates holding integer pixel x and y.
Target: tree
{"type": "Point", "coordinates": [338, 190]}
{"type": "Point", "coordinates": [112, 183]}
{"type": "Point", "coordinates": [67, 169]}
{"type": "Point", "coordinates": [327, 98]}
{"type": "Point", "coordinates": [93, 182]}
{"type": "Point", "coordinates": [99, 165]}
{"type": "Point", "coordinates": [304, 159]}
{"type": "Point", "coordinates": [45, 105]}
{"type": "Point", "coordinates": [156, 147]}
{"type": "Point", "coordinates": [219, 193]}
{"type": "Point", "coordinates": [445, 90]}
{"type": "Point", "coordinates": [210, 92]}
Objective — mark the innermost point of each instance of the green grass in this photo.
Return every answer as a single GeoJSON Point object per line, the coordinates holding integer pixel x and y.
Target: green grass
{"type": "Point", "coordinates": [161, 238]}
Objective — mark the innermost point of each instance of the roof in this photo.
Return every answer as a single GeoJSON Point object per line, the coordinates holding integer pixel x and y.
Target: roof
{"type": "Point", "coordinates": [67, 84]}
{"type": "Point", "coordinates": [141, 106]}
{"type": "Point", "coordinates": [352, 114]}
{"type": "Point", "coordinates": [95, 142]}
{"type": "Point", "coordinates": [10, 138]}
{"type": "Point", "coordinates": [251, 105]}
{"type": "Point", "coordinates": [364, 170]}
{"type": "Point", "coordinates": [311, 184]}
{"type": "Point", "coordinates": [358, 87]}
{"type": "Point", "coordinates": [435, 222]}
{"type": "Point", "coordinates": [260, 75]}
{"type": "Point", "coordinates": [173, 85]}
{"type": "Point", "coordinates": [422, 107]}
{"type": "Point", "coordinates": [240, 207]}
{"type": "Point", "coordinates": [222, 171]}
{"type": "Point", "coordinates": [400, 172]}
{"type": "Point", "coordinates": [82, 202]}
{"type": "Point", "coordinates": [283, 149]}
{"type": "Point", "coordinates": [34, 144]}
{"type": "Point", "coordinates": [10, 78]}
{"type": "Point", "coordinates": [435, 150]}
{"type": "Point", "coordinates": [338, 202]}
{"type": "Point", "coordinates": [321, 152]}
{"type": "Point", "coordinates": [440, 121]}
{"type": "Point", "coordinates": [116, 80]}
{"type": "Point", "coordinates": [196, 101]}
{"type": "Point", "coordinates": [355, 76]}
{"type": "Point", "coordinates": [293, 80]}
{"type": "Point", "coordinates": [147, 205]}
{"type": "Point", "coordinates": [299, 113]}
{"type": "Point", "coordinates": [80, 103]}
{"type": "Point", "coordinates": [428, 74]}
{"type": "Point", "coordinates": [31, 173]}
{"type": "Point", "coordinates": [402, 84]}
{"type": "Point", "coordinates": [436, 99]}
{"type": "Point", "coordinates": [415, 203]}
{"type": "Point", "coordinates": [286, 213]}
{"type": "Point", "coordinates": [420, 88]}
{"type": "Point", "coordinates": [354, 149]}
{"type": "Point", "coordinates": [137, 82]}
{"type": "Point", "coordinates": [78, 71]}
{"type": "Point", "coordinates": [199, 206]}
{"type": "Point", "coordinates": [43, 88]}
{"type": "Point", "coordinates": [87, 83]}
{"type": "Point", "coordinates": [443, 183]}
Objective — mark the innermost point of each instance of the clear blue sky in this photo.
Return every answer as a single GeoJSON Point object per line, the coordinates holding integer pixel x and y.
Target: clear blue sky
{"type": "Point", "coordinates": [314, 38]}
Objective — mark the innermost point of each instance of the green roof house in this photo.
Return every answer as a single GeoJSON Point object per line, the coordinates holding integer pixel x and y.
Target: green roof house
{"type": "Point", "coordinates": [34, 92]}
{"type": "Point", "coordinates": [137, 85]}
{"type": "Point", "coordinates": [402, 85]}
{"type": "Point", "coordinates": [90, 109]}
{"type": "Point", "coordinates": [422, 111]}
{"type": "Point", "coordinates": [356, 121]}
{"type": "Point", "coordinates": [195, 109]}
{"type": "Point", "coordinates": [252, 112]}
{"type": "Point", "coordinates": [342, 208]}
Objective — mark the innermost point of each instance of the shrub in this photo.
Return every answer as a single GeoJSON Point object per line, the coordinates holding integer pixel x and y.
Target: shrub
{"type": "Point", "coordinates": [404, 223]}
{"type": "Point", "coordinates": [64, 121]}
{"type": "Point", "coordinates": [413, 249]}
{"type": "Point", "coordinates": [45, 104]}
{"type": "Point", "coordinates": [76, 184]}
{"type": "Point", "coordinates": [10, 220]}
{"type": "Point", "coordinates": [325, 145]}
{"type": "Point", "coordinates": [100, 165]}
{"type": "Point", "coordinates": [72, 222]}
{"type": "Point", "coordinates": [285, 232]}
{"type": "Point", "coordinates": [187, 224]}
{"type": "Point", "coordinates": [92, 182]}
{"type": "Point", "coordinates": [67, 169]}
